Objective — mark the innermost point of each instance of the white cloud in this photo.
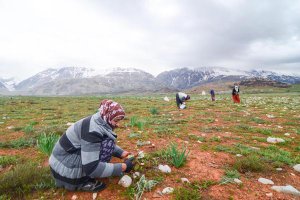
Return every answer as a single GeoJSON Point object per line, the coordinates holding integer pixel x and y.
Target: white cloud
{"type": "Point", "coordinates": [149, 34]}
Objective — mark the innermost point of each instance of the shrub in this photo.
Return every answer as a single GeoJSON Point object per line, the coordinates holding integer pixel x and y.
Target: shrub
{"type": "Point", "coordinates": [45, 142]}
{"type": "Point", "coordinates": [24, 179]}
{"type": "Point", "coordinates": [154, 111]}
{"type": "Point", "coordinates": [251, 163]}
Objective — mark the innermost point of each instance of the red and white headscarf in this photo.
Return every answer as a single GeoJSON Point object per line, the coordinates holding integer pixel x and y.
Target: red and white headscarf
{"type": "Point", "coordinates": [109, 110]}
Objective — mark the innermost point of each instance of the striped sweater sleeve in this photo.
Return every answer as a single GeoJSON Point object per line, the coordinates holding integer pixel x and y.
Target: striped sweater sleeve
{"type": "Point", "coordinates": [118, 151]}
{"type": "Point", "coordinates": [90, 151]}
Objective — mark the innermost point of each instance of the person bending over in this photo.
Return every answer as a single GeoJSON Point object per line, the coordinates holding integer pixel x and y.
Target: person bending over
{"type": "Point", "coordinates": [82, 154]}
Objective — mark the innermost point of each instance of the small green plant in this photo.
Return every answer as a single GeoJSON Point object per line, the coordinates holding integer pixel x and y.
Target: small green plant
{"type": "Point", "coordinates": [45, 142]}
{"type": "Point", "coordinates": [153, 111]}
{"type": "Point", "coordinates": [229, 177]}
{"type": "Point", "coordinates": [258, 120]}
{"type": "Point", "coordinates": [140, 125]}
{"type": "Point", "coordinates": [133, 121]}
{"type": "Point", "coordinates": [28, 129]}
{"type": "Point", "coordinates": [178, 157]}
{"type": "Point", "coordinates": [143, 185]}
{"type": "Point", "coordinates": [134, 135]}
{"type": "Point", "coordinates": [7, 160]}
{"type": "Point", "coordinates": [215, 139]}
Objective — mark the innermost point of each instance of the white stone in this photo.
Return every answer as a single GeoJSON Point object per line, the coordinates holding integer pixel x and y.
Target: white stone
{"type": "Point", "coordinates": [166, 98]}
{"type": "Point", "coordinates": [167, 190]}
{"type": "Point", "coordinates": [270, 116]}
{"type": "Point", "coordinates": [74, 197]}
{"type": "Point", "coordinates": [265, 181]}
{"type": "Point", "coordinates": [140, 155]}
{"type": "Point", "coordinates": [136, 174]}
{"type": "Point", "coordinates": [255, 148]}
{"type": "Point", "coordinates": [95, 195]}
{"type": "Point", "coordinates": [185, 180]}
{"type": "Point", "coordinates": [238, 181]}
{"type": "Point", "coordinates": [269, 194]}
{"type": "Point", "coordinates": [125, 181]}
{"type": "Point", "coordinates": [297, 167]}
{"type": "Point", "coordinates": [275, 140]}
{"type": "Point", "coordinates": [279, 169]}
{"type": "Point", "coordinates": [239, 155]}
{"type": "Point", "coordinates": [10, 127]}
{"type": "Point", "coordinates": [69, 124]}
{"type": "Point", "coordinates": [287, 134]}
{"type": "Point", "coordinates": [288, 189]}
{"type": "Point", "coordinates": [164, 168]}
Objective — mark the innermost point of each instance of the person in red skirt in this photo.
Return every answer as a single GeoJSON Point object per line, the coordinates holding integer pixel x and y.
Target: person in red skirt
{"type": "Point", "coordinates": [235, 94]}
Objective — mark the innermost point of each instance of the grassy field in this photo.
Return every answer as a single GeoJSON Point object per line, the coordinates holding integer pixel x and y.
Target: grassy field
{"type": "Point", "coordinates": [200, 143]}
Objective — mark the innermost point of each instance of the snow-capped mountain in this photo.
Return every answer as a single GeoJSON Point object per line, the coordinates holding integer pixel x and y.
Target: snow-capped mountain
{"type": "Point", "coordinates": [285, 78]}
{"type": "Point", "coordinates": [116, 80]}
{"type": "Point", "coordinates": [56, 74]}
{"type": "Point", "coordinates": [8, 84]}
{"type": "Point", "coordinates": [80, 80]}
{"type": "Point", "coordinates": [184, 78]}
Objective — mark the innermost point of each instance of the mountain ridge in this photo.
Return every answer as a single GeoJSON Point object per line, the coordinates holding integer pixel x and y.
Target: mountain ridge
{"type": "Point", "coordinates": [82, 80]}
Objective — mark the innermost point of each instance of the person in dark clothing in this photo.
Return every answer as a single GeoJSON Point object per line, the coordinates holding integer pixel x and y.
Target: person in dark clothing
{"type": "Point", "coordinates": [181, 98]}
{"type": "Point", "coordinates": [83, 153]}
{"type": "Point", "coordinates": [235, 94]}
{"type": "Point", "coordinates": [212, 94]}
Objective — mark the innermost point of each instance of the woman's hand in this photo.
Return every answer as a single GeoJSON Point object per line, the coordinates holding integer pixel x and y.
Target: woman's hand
{"type": "Point", "coordinates": [124, 167]}
{"type": "Point", "coordinates": [125, 154]}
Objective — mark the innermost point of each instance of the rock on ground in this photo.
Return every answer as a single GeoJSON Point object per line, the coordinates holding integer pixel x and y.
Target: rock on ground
{"type": "Point", "coordinates": [286, 189]}
{"type": "Point", "coordinates": [297, 167]}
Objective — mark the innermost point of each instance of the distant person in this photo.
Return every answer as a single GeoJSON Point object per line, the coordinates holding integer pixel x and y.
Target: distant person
{"type": "Point", "coordinates": [212, 94]}
{"type": "Point", "coordinates": [83, 152]}
{"type": "Point", "coordinates": [235, 94]}
{"type": "Point", "coordinates": [181, 98]}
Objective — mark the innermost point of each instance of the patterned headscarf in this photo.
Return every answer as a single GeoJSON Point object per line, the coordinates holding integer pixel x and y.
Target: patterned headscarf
{"type": "Point", "coordinates": [109, 110]}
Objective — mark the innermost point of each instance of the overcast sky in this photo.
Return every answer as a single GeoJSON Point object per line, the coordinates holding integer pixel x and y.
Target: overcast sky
{"type": "Point", "coordinates": [153, 35]}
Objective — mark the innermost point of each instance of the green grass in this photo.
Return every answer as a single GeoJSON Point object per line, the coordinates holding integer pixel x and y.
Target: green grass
{"type": "Point", "coordinates": [250, 163]}
{"type": "Point", "coordinates": [24, 179]}
{"type": "Point", "coordinates": [186, 193]}
{"type": "Point", "coordinates": [28, 129]}
{"type": "Point", "coordinates": [7, 160]}
{"type": "Point", "coordinates": [230, 175]}
{"type": "Point", "coordinates": [18, 144]}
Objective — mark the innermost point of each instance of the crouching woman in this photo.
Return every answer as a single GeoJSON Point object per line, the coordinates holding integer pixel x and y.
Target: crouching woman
{"type": "Point", "coordinates": [82, 154]}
